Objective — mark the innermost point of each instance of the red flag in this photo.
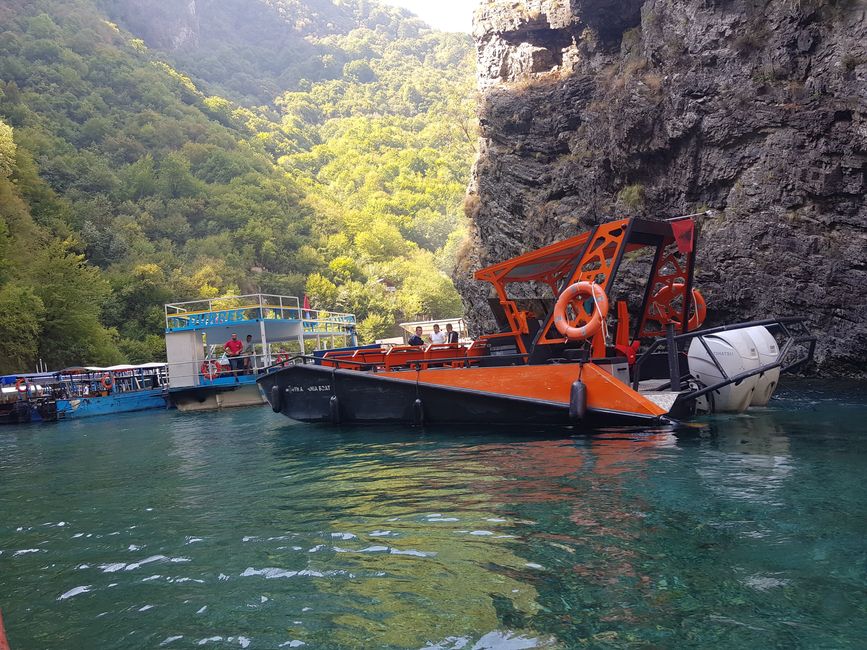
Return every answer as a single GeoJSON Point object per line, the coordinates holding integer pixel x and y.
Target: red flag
{"type": "Point", "coordinates": [684, 232]}
{"type": "Point", "coordinates": [306, 302]}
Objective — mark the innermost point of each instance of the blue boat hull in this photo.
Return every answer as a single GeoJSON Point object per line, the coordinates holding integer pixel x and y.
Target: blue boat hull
{"type": "Point", "coordinates": [110, 404]}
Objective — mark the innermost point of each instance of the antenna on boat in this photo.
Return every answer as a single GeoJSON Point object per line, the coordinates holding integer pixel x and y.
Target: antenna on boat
{"type": "Point", "coordinates": [706, 213]}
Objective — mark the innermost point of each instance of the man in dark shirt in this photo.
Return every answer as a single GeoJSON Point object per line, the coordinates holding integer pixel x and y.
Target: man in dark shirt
{"type": "Point", "coordinates": [451, 335]}
{"type": "Point", "coordinates": [416, 338]}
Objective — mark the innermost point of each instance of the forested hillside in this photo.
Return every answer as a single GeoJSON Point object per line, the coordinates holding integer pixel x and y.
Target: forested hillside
{"type": "Point", "coordinates": [280, 146]}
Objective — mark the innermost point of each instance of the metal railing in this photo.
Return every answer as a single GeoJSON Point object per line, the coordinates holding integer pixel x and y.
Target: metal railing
{"type": "Point", "coordinates": [786, 327]}
{"type": "Point", "coordinates": [229, 310]}
{"type": "Point", "coordinates": [412, 364]}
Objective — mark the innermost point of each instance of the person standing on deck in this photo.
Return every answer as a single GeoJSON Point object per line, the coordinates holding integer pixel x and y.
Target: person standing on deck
{"type": "Point", "coordinates": [249, 355]}
{"type": "Point", "coordinates": [416, 338]}
{"type": "Point", "coordinates": [233, 349]}
{"type": "Point", "coordinates": [451, 335]}
{"type": "Point", "coordinates": [437, 337]}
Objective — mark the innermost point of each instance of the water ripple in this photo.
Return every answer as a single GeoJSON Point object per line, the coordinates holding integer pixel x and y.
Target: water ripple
{"type": "Point", "coordinates": [243, 530]}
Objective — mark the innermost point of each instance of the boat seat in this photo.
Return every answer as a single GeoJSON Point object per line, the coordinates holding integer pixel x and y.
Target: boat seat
{"type": "Point", "coordinates": [401, 356]}
{"type": "Point", "coordinates": [443, 351]}
{"type": "Point", "coordinates": [375, 358]}
{"type": "Point", "coordinates": [328, 360]}
{"type": "Point", "coordinates": [499, 315]}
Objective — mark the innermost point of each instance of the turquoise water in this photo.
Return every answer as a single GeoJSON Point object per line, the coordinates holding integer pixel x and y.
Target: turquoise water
{"type": "Point", "coordinates": [242, 529]}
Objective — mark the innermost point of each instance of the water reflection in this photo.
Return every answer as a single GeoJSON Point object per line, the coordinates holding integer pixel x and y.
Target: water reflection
{"type": "Point", "coordinates": [423, 539]}
{"type": "Point", "coordinates": [748, 458]}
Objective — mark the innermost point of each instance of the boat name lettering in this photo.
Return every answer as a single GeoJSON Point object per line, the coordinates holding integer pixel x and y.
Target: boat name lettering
{"type": "Point", "coordinates": [309, 389]}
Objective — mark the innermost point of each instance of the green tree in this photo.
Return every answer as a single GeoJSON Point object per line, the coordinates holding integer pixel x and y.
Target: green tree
{"type": "Point", "coordinates": [7, 150]}
{"type": "Point", "coordinates": [72, 293]}
{"type": "Point", "coordinates": [322, 292]}
{"type": "Point", "coordinates": [175, 180]}
{"type": "Point", "coordinates": [376, 326]}
{"type": "Point", "coordinates": [21, 314]}
{"type": "Point", "coordinates": [381, 242]}
{"type": "Point", "coordinates": [359, 71]}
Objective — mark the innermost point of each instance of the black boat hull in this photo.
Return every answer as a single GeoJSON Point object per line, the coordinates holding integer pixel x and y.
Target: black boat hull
{"type": "Point", "coordinates": [24, 411]}
{"type": "Point", "coordinates": [312, 393]}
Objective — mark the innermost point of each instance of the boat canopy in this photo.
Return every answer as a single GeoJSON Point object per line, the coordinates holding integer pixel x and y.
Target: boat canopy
{"type": "Point", "coordinates": [11, 380]}
{"type": "Point", "coordinates": [458, 324]}
{"type": "Point", "coordinates": [544, 265]}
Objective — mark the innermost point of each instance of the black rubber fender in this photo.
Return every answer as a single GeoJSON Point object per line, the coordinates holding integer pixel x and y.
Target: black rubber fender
{"type": "Point", "coordinates": [334, 408]}
{"type": "Point", "coordinates": [577, 401]}
{"type": "Point", "coordinates": [276, 399]}
{"type": "Point", "coordinates": [418, 412]}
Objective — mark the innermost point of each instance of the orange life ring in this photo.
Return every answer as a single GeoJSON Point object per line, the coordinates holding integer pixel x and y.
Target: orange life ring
{"type": "Point", "coordinates": [665, 314]}
{"type": "Point", "coordinates": [107, 381]}
{"type": "Point", "coordinates": [600, 311]}
{"type": "Point", "coordinates": [211, 369]}
{"type": "Point", "coordinates": [21, 385]}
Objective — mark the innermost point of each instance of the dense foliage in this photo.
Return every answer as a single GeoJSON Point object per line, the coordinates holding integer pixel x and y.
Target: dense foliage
{"type": "Point", "coordinates": [125, 183]}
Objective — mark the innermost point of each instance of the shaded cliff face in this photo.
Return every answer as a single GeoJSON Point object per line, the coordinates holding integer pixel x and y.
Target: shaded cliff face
{"type": "Point", "coordinates": [757, 110]}
{"type": "Point", "coordinates": [163, 25]}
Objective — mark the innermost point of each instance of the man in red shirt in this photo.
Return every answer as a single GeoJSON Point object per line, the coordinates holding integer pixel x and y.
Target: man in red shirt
{"type": "Point", "coordinates": [233, 349]}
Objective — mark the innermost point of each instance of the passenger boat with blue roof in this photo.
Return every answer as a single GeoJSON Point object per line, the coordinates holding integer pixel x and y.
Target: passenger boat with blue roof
{"type": "Point", "coordinates": [82, 392]}
{"type": "Point", "coordinates": [88, 392]}
{"type": "Point", "coordinates": [266, 329]}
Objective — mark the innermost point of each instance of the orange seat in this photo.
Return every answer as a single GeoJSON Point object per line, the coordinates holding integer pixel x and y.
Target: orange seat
{"type": "Point", "coordinates": [478, 348]}
{"type": "Point", "coordinates": [402, 355]}
{"type": "Point", "coordinates": [443, 351]}
{"type": "Point", "coordinates": [375, 358]}
{"type": "Point", "coordinates": [336, 356]}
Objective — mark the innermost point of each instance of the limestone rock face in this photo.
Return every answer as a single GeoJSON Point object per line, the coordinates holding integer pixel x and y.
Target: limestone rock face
{"type": "Point", "coordinates": [164, 25]}
{"type": "Point", "coordinates": [755, 110]}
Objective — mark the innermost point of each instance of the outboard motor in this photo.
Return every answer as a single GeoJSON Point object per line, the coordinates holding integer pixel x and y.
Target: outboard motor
{"type": "Point", "coordinates": [736, 353]}
{"type": "Point", "coordinates": [769, 352]}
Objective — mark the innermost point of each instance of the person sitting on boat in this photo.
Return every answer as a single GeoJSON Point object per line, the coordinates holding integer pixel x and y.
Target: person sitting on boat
{"type": "Point", "coordinates": [451, 335]}
{"type": "Point", "coordinates": [249, 355]}
{"type": "Point", "coordinates": [416, 338]}
{"type": "Point", "coordinates": [437, 337]}
{"type": "Point", "coordinates": [233, 349]}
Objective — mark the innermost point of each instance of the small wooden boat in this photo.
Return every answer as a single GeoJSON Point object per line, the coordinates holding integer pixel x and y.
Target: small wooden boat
{"type": "Point", "coordinates": [559, 356]}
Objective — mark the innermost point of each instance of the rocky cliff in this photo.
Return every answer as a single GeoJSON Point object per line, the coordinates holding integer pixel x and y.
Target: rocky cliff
{"type": "Point", "coordinates": [754, 109]}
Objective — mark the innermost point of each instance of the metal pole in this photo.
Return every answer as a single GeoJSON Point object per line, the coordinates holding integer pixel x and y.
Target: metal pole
{"type": "Point", "coordinates": [673, 363]}
{"type": "Point", "coordinates": [266, 351]}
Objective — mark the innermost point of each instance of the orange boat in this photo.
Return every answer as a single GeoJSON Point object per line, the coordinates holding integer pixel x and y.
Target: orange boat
{"type": "Point", "coordinates": [562, 354]}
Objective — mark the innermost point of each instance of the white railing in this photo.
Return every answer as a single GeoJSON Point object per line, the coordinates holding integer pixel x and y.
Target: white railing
{"type": "Point", "coordinates": [235, 309]}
